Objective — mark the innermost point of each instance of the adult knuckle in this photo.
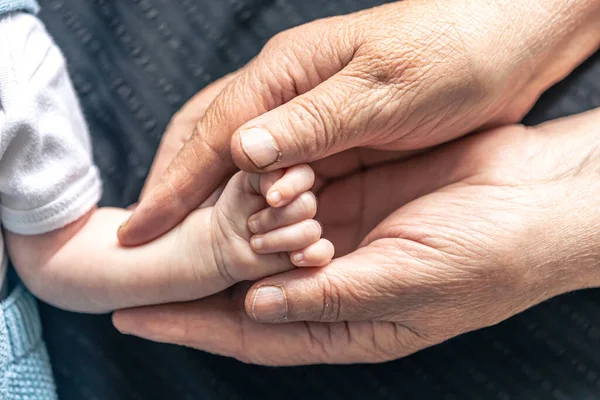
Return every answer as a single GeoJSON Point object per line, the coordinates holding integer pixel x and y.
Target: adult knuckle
{"type": "Point", "coordinates": [439, 52]}
{"type": "Point", "coordinates": [280, 39]}
{"type": "Point", "coordinates": [323, 119]}
{"type": "Point", "coordinates": [285, 52]}
{"type": "Point", "coordinates": [208, 145]}
{"type": "Point", "coordinates": [384, 58]}
{"type": "Point", "coordinates": [378, 69]}
{"type": "Point", "coordinates": [332, 304]}
{"type": "Point", "coordinates": [276, 48]}
{"type": "Point", "coordinates": [309, 41]}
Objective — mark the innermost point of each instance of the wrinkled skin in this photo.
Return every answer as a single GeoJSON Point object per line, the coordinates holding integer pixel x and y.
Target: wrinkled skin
{"type": "Point", "coordinates": [404, 76]}
{"type": "Point", "coordinates": [483, 228]}
{"type": "Point", "coordinates": [449, 240]}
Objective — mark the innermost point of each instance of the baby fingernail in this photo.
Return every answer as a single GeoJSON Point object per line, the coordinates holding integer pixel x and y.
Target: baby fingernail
{"type": "Point", "coordinates": [257, 242]}
{"type": "Point", "coordinates": [269, 304]}
{"type": "Point", "coordinates": [254, 225]}
{"type": "Point", "coordinates": [260, 147]}
{"type": "Point", "coordinates": [298, 258]}
{"type": "Point", "coordinates": [274, 198]}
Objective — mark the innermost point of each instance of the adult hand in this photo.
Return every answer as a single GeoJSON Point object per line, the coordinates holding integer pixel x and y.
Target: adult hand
{"type": "Point", "coordinates": [510, 220]}
{"type": "Point", "coordinates": [403, 76]}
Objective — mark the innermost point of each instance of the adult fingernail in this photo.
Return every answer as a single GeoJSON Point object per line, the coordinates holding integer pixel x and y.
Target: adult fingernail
{"type": "Point", "coordinates": [260, 147]}
{"type": "Point", "coordinates": [269, 304]}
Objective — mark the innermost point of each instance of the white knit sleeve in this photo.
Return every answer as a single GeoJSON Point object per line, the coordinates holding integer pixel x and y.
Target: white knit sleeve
{"type": "Point", "coordinates": [47, 175]}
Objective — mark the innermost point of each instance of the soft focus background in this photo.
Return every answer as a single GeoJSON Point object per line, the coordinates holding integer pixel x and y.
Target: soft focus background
{"type": "Point", "coordinates": [134, 63]}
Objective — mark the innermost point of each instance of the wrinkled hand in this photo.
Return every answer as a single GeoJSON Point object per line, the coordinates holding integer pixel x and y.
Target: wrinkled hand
{"type": "Point", "coordinates": [403, 76]}
{"type": "Point", "coordinates": [484, 227]}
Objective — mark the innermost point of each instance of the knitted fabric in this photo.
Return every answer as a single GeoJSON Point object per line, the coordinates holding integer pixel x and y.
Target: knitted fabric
{"type": "Point", "coordinates": [7, 6]}
{"type": "Point", "coordinates": [24, 362]}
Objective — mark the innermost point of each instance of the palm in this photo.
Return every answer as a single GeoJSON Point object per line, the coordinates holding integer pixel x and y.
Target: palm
{"type": "Point", "coordinates": [343, 184]}
{"type": "Point", "coordinates": [434, 273]}
{"type": "Point", "coordinates": [419, 227]}
{"type": "Point", "coordinates": [347, 215]}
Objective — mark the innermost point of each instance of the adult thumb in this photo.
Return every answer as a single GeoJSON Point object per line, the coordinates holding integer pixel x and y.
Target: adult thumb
{"type": "Point", "coordinates": [348, 289]}
{"type": "Point", "coordinates": [292, 63]}
{"type": "Point", "coordinates": [328, 119]}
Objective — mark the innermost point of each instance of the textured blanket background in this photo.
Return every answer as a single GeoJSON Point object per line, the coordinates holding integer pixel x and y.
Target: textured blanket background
{"type": "Point", "coordinates": [134, 63]}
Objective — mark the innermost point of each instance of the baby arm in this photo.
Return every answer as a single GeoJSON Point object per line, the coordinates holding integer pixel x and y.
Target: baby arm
{"type": "Point", "coordinates": [81, 267]}
{"type": "Point", "coordinates": [65, 248]}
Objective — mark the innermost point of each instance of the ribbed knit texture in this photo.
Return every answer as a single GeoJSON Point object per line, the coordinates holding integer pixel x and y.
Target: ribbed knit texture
{"type": "Point", "coordinates": [134, 63]}
{"type": "Point", "coordinates": [7, 6]}
{"type": "Point", "coordinates": [26, 372]}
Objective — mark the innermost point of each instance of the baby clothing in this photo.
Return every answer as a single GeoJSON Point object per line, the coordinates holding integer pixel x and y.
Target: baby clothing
{"type": "Point", "coordinates": [25, 369]}
{"type": "Point", "coordinates": [47, 179]}
{"type": "Point", "coordinates": [9, 6]}
{"type": "Point", "coordinates": [47, 175]}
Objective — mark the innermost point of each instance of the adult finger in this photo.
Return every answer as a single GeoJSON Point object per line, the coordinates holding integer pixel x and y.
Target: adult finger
{"type": "Point", "coordinates": [354, 287]}
{"type": "Point", "coordinates": [350, 288]}
{"type": "Point", "coordinates": [290, 65]}
{"type": "Point", "coordinates": [326, 120]}
{"type": "Point", "coordinates": [219, 325]}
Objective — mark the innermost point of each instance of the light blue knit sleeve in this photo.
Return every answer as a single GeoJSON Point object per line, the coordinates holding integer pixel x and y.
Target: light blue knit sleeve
{"type": "Point", "coordinates": [7, 6]}
{"type": "Point", "coordinates": [25, 370]}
